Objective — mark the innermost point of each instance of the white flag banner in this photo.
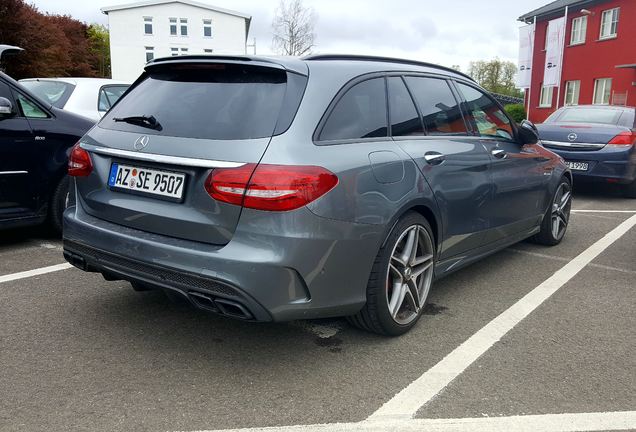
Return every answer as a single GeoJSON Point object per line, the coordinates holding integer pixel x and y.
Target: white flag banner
{"type": "Point", "coordinates": [526, 49]}
{"type": "Point", "coordinates": [554, 52]}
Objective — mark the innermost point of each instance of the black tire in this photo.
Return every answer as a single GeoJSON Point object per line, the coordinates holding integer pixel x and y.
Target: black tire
{"type": "Point", "coordinates": [629, 190]}
{"type": "Point", "coordinates": [57, 205]}
{"type": "Point", "coordinates": [546, 236]}
{"type": "Point", "coordinates": [375, 316]}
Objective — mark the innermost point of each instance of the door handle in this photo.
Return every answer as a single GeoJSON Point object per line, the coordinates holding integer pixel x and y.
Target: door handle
{"type": "Point", "coordinates": [434, 158]}
{"type": "Point", "coordinates": [499, 154]}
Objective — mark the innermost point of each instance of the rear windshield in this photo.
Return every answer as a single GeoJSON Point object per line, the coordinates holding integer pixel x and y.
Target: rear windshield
{"type": "Point", "coordinates": [210, 101]}
{"type": "Point", "coordinates": [54, 92]}
{"type": "Point", "coordinates": [590, 115]}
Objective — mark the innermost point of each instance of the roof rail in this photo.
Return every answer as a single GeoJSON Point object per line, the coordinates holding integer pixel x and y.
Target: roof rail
{"type": "Point", "coordinates": [382, 59]}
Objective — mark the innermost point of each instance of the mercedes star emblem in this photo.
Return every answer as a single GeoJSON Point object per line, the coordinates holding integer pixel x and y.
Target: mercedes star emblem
{"type": "Point", "coordinates": [141, 142]}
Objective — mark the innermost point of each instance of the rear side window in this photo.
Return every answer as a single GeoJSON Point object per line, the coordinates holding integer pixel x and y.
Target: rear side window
{"type": "Point", "coordinates": [54, 92]}
{"type": "Point", "coordinates": [485, 113]}
{"type": "Point", "coordinates": [108, 95]}
{"type": "Point", "coordinates": [360, 113]}
{"type": "Point", "coordinates": [405, 121]}
{"type": "Point", "coordinates": [210, 101]}
{"type": "Point", "coordinates": [440, 111]}
{"type": "Point", "coordinates": [29, 108]}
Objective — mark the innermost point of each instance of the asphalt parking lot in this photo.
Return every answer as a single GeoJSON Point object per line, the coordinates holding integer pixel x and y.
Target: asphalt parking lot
{"type": "Point", "coordinates": [532, 337]}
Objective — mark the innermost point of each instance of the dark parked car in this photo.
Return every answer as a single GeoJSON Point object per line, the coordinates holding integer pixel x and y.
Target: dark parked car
{"type": "Point", "coordinates": [35, 139]}
{"type": "Point", "coordinates": [597, 142]}
{"type": "Point", "coordinates": [269, 189]}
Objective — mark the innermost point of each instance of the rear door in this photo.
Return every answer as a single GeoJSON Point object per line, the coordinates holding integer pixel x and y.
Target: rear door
{"type": "Point", "coordinates": [520, 173]}
{"type": "Point", "coordinates": [17, 185]}
{"type": "Point", "coordinates": [454, 163]}
{"type": "Point", "coordinates": [150, 175]}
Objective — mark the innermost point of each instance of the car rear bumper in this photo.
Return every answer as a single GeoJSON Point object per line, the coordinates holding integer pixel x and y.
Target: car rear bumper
{"type": "Point", "coordinates": [613, 162]}
{"type": "Point", "coordinates": [293, 265]}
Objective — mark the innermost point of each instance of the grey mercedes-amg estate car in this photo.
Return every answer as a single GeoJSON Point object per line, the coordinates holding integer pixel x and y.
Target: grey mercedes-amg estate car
{"type": "Point", "coordinates": [273, 189]}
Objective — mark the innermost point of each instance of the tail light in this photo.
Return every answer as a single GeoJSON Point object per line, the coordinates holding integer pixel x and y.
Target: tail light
{"type": "Point", "coordinates": [624, 138]}
{"type": "Point", "coordinates": [270, 187]}
{"type": "Point", "coordinates": [79, 162]}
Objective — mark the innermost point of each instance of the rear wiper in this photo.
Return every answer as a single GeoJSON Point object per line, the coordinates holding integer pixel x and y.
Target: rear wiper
{"type": "Point", "coordinates": [142, 120]}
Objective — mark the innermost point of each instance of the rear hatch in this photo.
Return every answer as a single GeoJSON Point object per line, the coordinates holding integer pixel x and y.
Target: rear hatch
{"type": "Point", "coordinates": [583, 128]}
{"type": "Point", "coordinates": [152, 153]}
{"type": "Point", "coordinates": [576, 137]}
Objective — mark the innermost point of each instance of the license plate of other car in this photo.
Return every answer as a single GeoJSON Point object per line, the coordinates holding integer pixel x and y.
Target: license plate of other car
{"type": "Point", "coordinates": [577, 166]}
{"type": "Point", "coordinates": [147, 181]}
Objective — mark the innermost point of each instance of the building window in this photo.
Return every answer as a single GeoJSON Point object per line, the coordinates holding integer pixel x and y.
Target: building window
{"type": "Point", "coordinates": [150, 53]}
{"type": "Point", "coordinates": [572, 91]}
{"type": "Point", "coordinates": [174, 52]}
{"type": "Point", "coordinates": [579, 29]}
{"type": "Point", "coordinates": [208, 51]}
{"type": "Point", "coordinates": [609, 23]}
{"type": "Point", "coordinates": [184, 26]}
{"type": "Point", "coordinates": [207, 28]}
{"type": "Point", "coordinates": [545, 100]}
{"type": "Point", "coordinates": [173, 26]}
{"type": "Point", "coordinates": [602, 91]}
{"type": "Point", "coordinates": [148, 25]}
{"type": "Point", "coordinates": [184, 51]}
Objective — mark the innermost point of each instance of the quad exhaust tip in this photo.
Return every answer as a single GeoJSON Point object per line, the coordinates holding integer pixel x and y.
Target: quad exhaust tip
{"type": "Point", "coordinates": [221, 306]}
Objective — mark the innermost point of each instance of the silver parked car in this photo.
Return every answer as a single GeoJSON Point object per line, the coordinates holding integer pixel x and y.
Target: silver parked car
{"type": "Point", "coordinates": [281, 189]}
{"type": "Point", "coordinates": [89, 97]}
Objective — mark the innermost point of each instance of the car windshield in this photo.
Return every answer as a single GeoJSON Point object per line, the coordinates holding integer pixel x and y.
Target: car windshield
{"type": "Point", "coordinates": [54, 92]}
{"type": "Point", "coordinates": [590, 115]}
{"type": "Point", "coordinates": [222, 102]}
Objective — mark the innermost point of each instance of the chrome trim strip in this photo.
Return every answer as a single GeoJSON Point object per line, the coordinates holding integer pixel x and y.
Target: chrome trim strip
{"type": "Point", "coordinates": [573, 145]}
{"type": "Point", "coordinates": [13, 172]}
{"type": "Point", "coordinates": [170, 160]}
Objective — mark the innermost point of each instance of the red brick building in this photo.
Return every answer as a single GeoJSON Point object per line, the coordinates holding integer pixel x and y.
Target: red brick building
{"type": "Point", "coordinates": [599, 60]}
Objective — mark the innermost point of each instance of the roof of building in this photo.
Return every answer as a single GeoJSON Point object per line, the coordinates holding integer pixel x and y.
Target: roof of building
{"type": "Point", "coordinates": [555, 8]}
{"type": "Point", "coordinates": [145, 3]}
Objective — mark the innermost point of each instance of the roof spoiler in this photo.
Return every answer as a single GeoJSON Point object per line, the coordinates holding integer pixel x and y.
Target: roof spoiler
{"type": "Point", "coordinates": [288, 64]}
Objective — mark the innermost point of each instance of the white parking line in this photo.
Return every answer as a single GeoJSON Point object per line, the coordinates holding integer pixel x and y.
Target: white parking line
{"type": "Point", "coordinates": [603, 211]}
{"type": "Point", "coordinates": [563, 259]}
{"type": "Point", "coordinates": [35, 272]}
{"type": "Point", "coordinates": [607, 421]}
{"type": "Point", "coordinates": [406, 403]}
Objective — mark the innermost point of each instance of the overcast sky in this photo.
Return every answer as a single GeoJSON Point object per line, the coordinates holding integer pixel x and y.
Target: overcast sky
{"type": "Point", "coordinates": [446, 32]}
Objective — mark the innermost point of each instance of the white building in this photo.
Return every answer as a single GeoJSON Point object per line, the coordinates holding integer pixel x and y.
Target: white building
{"type": "Point", "coordinates": [150, 29]}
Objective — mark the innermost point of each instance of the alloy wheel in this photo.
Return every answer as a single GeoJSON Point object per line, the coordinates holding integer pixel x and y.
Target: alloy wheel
{"type": "Point", "coordinates": [410, 274]}
{"type": "Point", "coordinates": [561, 210]}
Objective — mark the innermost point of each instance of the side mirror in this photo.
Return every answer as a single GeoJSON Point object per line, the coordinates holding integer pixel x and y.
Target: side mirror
{"type": "Point", "coordinates": [529, 125]}
{"type": "Point", "coordinates": [528, 133]}
{"type": "Point", "coordinates": [6, 109]}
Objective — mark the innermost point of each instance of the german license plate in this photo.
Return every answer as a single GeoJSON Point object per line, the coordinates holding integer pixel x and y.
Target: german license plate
{"type": "Point", "coordinates": [577, 166]}
{"type": "Point", "coordinates": [145, 180]}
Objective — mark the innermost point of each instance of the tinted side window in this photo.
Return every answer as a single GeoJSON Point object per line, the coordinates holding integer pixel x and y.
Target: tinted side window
{"type": "Point", "coordinates": [489, 119]}
{"type": "Point", "coordinates": [405, 121]}
{"type": "Point", "coordinates": [5, 92]}
{"type": "Point", "coordinates": [360, 113]}
{"type": "Point", "coordinates": [439, 108]}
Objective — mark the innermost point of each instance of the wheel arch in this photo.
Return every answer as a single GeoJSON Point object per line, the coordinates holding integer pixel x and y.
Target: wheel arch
{"type": "Point", "coordinates": [428, 211]}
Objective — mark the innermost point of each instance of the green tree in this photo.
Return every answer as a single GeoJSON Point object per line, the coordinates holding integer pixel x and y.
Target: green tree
{"type": "Point", "coordinates": [54, 45]}
{"type": "Point", "coordinates": [99, 46]}
{"type": "Point", "coordinates": [496, 76]}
